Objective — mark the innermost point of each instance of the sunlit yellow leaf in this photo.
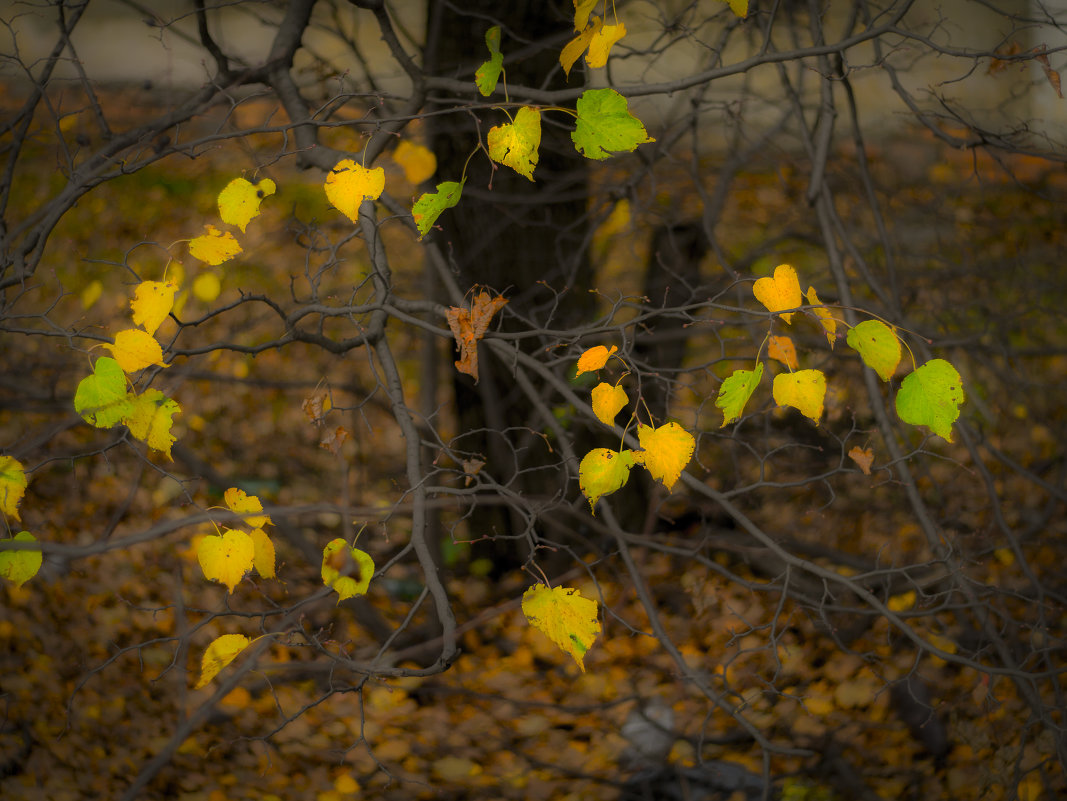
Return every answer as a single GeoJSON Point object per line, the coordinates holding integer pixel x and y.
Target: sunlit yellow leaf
{"type": "Point", "coordinates": [804, 390]}
{"type": "Point", "coordinates": [226, 559]}
{"type": "Point", "coordinates": [150, 419]}
{"type": "Point", "coordinates": [20, 566]}
{"type": "Point", "coordinates": [568, 619]}
{"type": "Point", "coordinates": [215, 246]}
{"type": "Point", "coordinates": [135, 350]}
{"type": "Point", "coordinates": [593, 359]}
{"type": "Point", "coordinates": [608, 401]}
{"type": "Point", "coordinates": [239, 201]}
{"type": "Point", "coordinates": [262, 553]}
{"type": "Point", "coordinates": [239, 502]}
{"type": "Point", "coordinates": [780, 292]}
{"type": "Point", "coordinates": [152, 302]}
{"type": "Point", "coordinates": [346, 570]}
{"type": "Point", "coordinates": [582, 10]}
{"type": "Point", "coordinates": [825, 317]}
{"type": "Point", "coordinates": [12, 485]}
{"type": "Point", "coordinates": [349, 184]}
{"type": "Point", "coordinates": [417, 161]}
{"type": "Point", "coordinates": [515, 144]}
{"type": "Point", "coordinates": [218, 655]}
{"type": "Point", "coordinates": [206, 287]}
{"type": "Point", "coordinates": [573, 50]}
{"type": "Point", "coordinates": [602, 42]}
{"type": "Point", "coordinates": [602, 472]}
{"type": "Point", "coordinates": [668, 450]}
{"type": "Point", "coordinates": [783, 349]}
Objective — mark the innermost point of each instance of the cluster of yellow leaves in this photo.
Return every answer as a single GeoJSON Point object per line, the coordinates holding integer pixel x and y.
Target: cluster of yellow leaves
{"type": "Point", "coordinates": [238, 205]}
{"type": "Point", "coordinates": [227, 556]}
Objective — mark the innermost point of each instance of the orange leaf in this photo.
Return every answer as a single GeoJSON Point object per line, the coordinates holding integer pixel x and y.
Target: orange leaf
{"type": "Point", "coordinates": [782, 349]}
{"type": "Point", "coordinates": [863, 457]}
{"type": "Point", "coordinates": [470, 325]}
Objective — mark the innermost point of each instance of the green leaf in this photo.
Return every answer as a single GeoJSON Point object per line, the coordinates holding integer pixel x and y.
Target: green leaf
{"type": "Point", "coordinates": [489, 73]}
{"type": "Point", "coordinates": [515, 144]}
{"type": "Point", "coordinates": [602, 472]}
{"type": "Point", "coordinates": [20, 566]}
{"type": "Point", "coordinates": [877, 345]}
{"type": "Point", "coordinates": [12, 485]}
{"type": "Point", "coordinates": [101, 399]}
{"type": "Point", "coordinates": [430, 206]}
{"type": "Point", "coordinates": [606, 126]}
{"type": "Point", "coordinates": [931, 396]}
{"type": "Point", "coordinates": [149, 419]}
{"type": "Point", "coordinates": [735, 392]}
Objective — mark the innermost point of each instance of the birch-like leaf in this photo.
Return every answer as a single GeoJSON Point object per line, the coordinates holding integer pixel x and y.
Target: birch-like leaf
{"type": "Point", "coordinates": [240, 502]}
{"type": "Point", "coordinates": [218, 655]}
{"type": "Point", "coordinates": [515, 144]}
{"type": "Point", "coordinates": [135, 350]}
{"type": "Point", "coordinates": [607, 401]}
{"type": "Point", "coordinates": [825, 317]}
{"type": "Point", "coordinates": [877, 345]}
{"type": "Point", "coordinates": [804, 390]}
{"type": "Point", "coordinates": [152, 302]}
{"type": "Point", "coordinates": [605, 125]}
{"type": "Point", "coordinates": [215, 246]}
{"type": "Point", "coordinates": [431, 205]}
{"type": "Point", "coordinates": [931, 396]}
{"type": "Point", "coordinates": [226, 558]}
{"type": "Point", "coordinates": [602, 472]}
{"type": "Point", "coordinates": [263, 558]}
{"type": "Point", "coordinates": [565, 617]}
{"type": "Point", "coordinates": [102, 398]}
{"type": "Point", "coordinates": [150, 419]}
{"type": "Point", "coordinates": [735, 392]}
{"type": "Point", "coordinates": [12, 485]}
{"type": "Point", "coordinates": [489, 73]}
{"type": "Point", "coordinates": [20, 566]}
{"type": "Point", "coordinates": [239, 201]}
{"type": "Point", "coordinates": [594, 358]}
{"type": "Point", "coordinates": [349, 184]}
{"type": "Point", "coordinates": [782, 291]}
{"type": "Point", "coordinates": [667, 450]}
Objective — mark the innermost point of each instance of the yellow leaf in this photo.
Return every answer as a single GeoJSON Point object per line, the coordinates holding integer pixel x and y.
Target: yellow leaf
{"type": "Point", "coordinates": [12, 485]}
{"type": "Point", "coordinates": [862, 457]}
{"type": "Point", "coordinates": [568, 619]}
{"type": "Point", "coordinates": [515, 144]}
{"type": "Point", "coordinates": [780, 292]}
{"type": "Point", "coordinates": [20, 566]}
{"type": "Point", "coordinates": [346, 785]}
{"type": "Point", "coordinates": [601, 43]}
{"type": "Point", "coordinates": [804, 390]}
{"type": "Point", "coordinates": [608, 401]}
{"type": "Point", "coordinates": [782, 349]}
{"type": "Point", "coordinates": [602, 472]}
{"type": "Point", "coordinates": [417, 161]}
{"type": "Point", "coordinates": [135, 350]}
{"type": "Point", "coordinates": [739, 7]}
{"type": "Point", "coordinates": [345, 569]}
{"type": "Point", "coordinates": [829, 323]}
{"type": "Point", "coordinates": [150, 419]}
{"type": "Point", "coordinates": [206, 287]}
{"type": "Point", "coordinates": [349, 184]}
{"type": "Point", "coordinates": [239, 201]}
{"type": "Point", "coordinates": [594, 359]}
{"type": "Point", "coordinates": [262, 553]}
{"type": "Point", "coordinates": [226, 559]}
{"type": "Point", "coordinates": [91, 294]}
{"type": "Point", "coordinates": [668, 450]}
{"type": "Point", "coordinates": [215, 246]}
{"type": "Point", "coordinates": [218, 655]}
{"type": "Point", "coordinates": [152, 302]}
{"type": "Point", "coordinates": [240, 502]}
{"type": "Point", "coordinates": [573, 50]}
{"type": "Point", "coordinates": [582, 10]}
{"type": "Point", "coordinates": [899, 603]}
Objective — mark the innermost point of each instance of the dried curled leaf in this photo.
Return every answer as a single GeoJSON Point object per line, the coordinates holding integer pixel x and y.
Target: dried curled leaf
{"type": "Point", "coordinates": [470, 325]}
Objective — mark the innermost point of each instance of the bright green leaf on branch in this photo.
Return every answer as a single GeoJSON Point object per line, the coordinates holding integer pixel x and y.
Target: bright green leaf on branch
{"type": "Point", "coordinates": [20, 566]}
{"type": "Point", "coordinates": [12, 485]}
{"type": "Point", "coordinates": [101, 398]}
{"type": "Point", "coordinates": [804, 390]}
{"type": "Point", "coordinates": [606, 126]}
{"type": "Point", "coordinates": [430, 205]}
{"type": "Point", "coordinates": [349, 184]}
{"type": "Point", "coordinates": [667, 450]}
{"type": "Point", "coordinates": [346, 570]}
{"type": "Point", "coordinates": [602, 472]}
{"type": "Point", "coordinates": [931, 396]}
{"type": "Point", "coordinates": [152, 302]}
{"type": "Point", "coordinates": [226, 559]}
{"type": "Point", "coordinates": [608, 401]}
{"type": "Point", "coordinates": [877, 345]}
{"type": "Point", "coordinates": [150, 419]}
{"type": "Point", "coordinates": [239, 201]}
{"type": "Point", "coordinates": [565, 617]}
{"type": "Point", "coordinates": [218, 655]}
{"type": "Point", "coordinates": [515, 144]}
{"type": "Point", "coordinates": [489, 73]}
{"type": "Point", "coordinates": [735, 392]}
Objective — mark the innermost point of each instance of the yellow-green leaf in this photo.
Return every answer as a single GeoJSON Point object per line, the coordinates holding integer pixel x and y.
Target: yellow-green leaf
{"type": "Point", "coordinates": [565, 617]}
{"type": "Point", "coordinates": [102, 398]}
{"type": "Point", "coordinates": [877, 345]}
{"type": "Point", "coordinates": [152, 302]}
{"type": "Point", "coordinates": [668, 450]}
{"type": "Point", "coordinates": [431, 205]}
{"type": "Point", "coordinates": [417, 161]}
{"type": "Point", "coordinates": [215, 246]}
{"type": "Point", "coordinates": [782, 291]}
{"type": "Point", "coordinates": [226, 559]}
{"type": "Point", "coordinates": [594, 358]}
{"type": "Point", "coordinates": [349, 184]}
{"type": "Point", "coordinates": [346, 570]}
{"type": "Point", "coordinates": [135, 350]}
{"type": "Point", "coordinates": [150, 419]}
{"type": "Point", "coordinates": [804, 390]}
{"type": "Point", "coordinates": [12, 485]}
{"type": "Point", "coordinates": [605, 125]}
{"type": "Point", "coordinates": [931, 396]}
{"type": "Point", "coordinates": [515, 144]}
{"type": "Point", "coordinates": [735, 392]}
{"type": "Point", "coordinates": [489, 73]}
{"type": "Point", "coordinates": [218, 655]}
{"type": "Point", "coordinates": [825, 317]}
{"type": "Point", "coordinates": [206, 287]}
{"type": "Point", "coordinates": [239, 502]}
{"type": "Point", "coordinates": [239, 201]}
{"type": "Point", "coordinates": [608, 401]}
{"type": "Point", "coordinates": [20, 566]}
{"type": "Point", "coordinates": [263, 558]}
{"type": "Point", "coordinates": [602, 472]}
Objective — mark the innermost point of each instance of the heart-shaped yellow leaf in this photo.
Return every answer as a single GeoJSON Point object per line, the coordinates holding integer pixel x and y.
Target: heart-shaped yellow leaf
{"type": "Point", "coordinates": [780, 292]}
{"type": "Point", "coordinates": [226, 559]}
{"type": "Point", "coordinates": [20, 566]}
{"type": "Point", "coordinates": [215, 246]}
{"type": "Point", "coordinates": [608, 401]}
{"type": "Point", "coordinates": [804, 390]}
{"type": "Point", "coordinates": [349, 184]}
{"type": "Point", "coordinates": [135, 350]}
{"type": "Point", "coordinates": [238, 501]}
{"type": "Point", "coordinates": [152, 302]}
{"type": "Point", "coordinates": [668, 450]}
{"type": "Point", "coordinates": [239, 201]}
{"type": "Point", "coordinates": [515, 144]}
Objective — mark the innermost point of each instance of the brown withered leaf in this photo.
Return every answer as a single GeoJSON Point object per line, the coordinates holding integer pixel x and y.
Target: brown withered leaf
{"type": "Point", "coordinates": [470, 325]}
{"type": "Point", "coordinates": [333, 440]}
{"type": "Point", "coordinates": [863, 457]}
